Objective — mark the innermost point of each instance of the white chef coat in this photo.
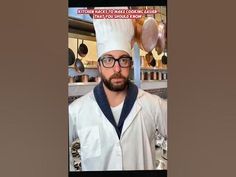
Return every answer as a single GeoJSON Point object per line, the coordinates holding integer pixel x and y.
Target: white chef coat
{"type": "Point", "coordinates": [101, 148]}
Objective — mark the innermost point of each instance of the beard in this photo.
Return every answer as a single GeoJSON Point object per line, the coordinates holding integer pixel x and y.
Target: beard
{"type": "Point", "coordinates": [117, 87]}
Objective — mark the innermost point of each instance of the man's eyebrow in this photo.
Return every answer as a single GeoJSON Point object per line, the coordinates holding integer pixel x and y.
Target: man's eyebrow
{"type": "Point", "coordinates": [125, 55]}
{"type": "Point", "coordinates": [108, 55]}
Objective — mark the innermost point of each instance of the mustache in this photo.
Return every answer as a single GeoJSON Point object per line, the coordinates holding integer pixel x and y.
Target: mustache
{"type": "Point", "coordinates": [117, 76]}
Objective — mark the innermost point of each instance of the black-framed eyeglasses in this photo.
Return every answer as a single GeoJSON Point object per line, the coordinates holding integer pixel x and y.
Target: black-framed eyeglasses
{"type": "Point", "coordinates": [109, 61]}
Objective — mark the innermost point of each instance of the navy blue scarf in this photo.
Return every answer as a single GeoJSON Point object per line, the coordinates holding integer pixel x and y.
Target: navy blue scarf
{"type": "Point", "coordinates": [101, 98]}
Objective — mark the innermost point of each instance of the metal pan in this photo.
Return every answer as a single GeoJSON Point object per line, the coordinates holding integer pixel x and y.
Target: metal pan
{"type": "Point", "coordinates": [83, 49]}
{"type": "Point", "coordinates": [164, 59]}
{"type": "Point", "coordinates": [71, 57]}
{"type": "Point", "coordinates": [79, 66]}
{"type": "Point", "coordinates": [161, 41]}
{"type": "Point", "coordinates": [150, 59]}
{"type": "Point", "coordinates": [146, 33]}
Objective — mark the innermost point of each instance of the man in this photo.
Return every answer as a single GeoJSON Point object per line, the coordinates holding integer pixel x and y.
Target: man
{"type": "Point", "coordinates": [116, 122]}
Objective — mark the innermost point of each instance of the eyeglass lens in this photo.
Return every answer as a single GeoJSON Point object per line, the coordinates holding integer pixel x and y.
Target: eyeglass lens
{"type": "Point", "coordinates": [109, 62]}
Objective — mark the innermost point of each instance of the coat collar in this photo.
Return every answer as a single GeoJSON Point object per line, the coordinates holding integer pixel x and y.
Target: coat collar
{"type": "Point", "coordinates": [102, 102]}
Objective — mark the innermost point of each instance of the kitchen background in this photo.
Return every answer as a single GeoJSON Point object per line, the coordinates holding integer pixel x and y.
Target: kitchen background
{"type": "Point", "coordinates": [153, 76]}
{"type": "Point", "coordinates": [149, 73]}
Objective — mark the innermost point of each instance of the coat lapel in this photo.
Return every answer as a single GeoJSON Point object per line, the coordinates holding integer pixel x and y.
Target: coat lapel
{"type": "Point", "coordinates": [128, 104]}
{"type": "Point", "coordinates": [102, 101]}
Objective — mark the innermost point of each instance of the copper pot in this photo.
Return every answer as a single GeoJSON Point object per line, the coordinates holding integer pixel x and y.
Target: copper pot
{"type": "Point", "coordinates": [161, 41]}
{"type": "Point", "coordinates": [148, 57]}
{"type": "Point", "coordinates": [146, 33]}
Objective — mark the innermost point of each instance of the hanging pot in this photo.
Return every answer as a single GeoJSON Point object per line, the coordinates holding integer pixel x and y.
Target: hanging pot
{"type": "Point", "coordinates": [164, 59]}
{"type": "Point", "coordinates": [79, 66]}
{"type": "Point", "coordinates": [148, 57]}
{"type": "Point", "coordinates": [146, 33]}
{"type": "Point", "coordinates": [83, 49]}
{"type": "Point", "coordinates": [153, 62]}
{"type": "Point", "coordinates": [161, 41]}
{"type": "Point", "coordinates": [71, 57]}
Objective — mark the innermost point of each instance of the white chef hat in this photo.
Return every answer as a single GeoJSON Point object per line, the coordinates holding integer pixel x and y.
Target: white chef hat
{"type": "Point", "coordinates": [113, 34]}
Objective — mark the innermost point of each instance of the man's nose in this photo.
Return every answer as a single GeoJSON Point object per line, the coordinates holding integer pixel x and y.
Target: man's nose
{"type": "Point", "coordinates": [117, 67]}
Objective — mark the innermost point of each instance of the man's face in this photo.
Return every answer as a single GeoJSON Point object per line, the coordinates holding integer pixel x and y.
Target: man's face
{"type": "Point", "coordinates": [116, 77]}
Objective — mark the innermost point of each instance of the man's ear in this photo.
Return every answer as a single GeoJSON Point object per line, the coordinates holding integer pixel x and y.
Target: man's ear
{"type": "Point", "coordinates": [98, 67]}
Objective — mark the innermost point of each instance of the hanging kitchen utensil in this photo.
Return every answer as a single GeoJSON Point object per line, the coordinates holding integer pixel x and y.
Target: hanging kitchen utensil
{"type": "Point", "coordinates": [161, 41]}
{"type": "Point", "coordinates": [83, 49]}
{"type": "Point", "coordinates": [71, 57]}
{"type": "Point", "coordinates": [164, 59]}
{"type": "Point", "coordinates": [148, 57]}
{"type": "Point", "coordinates": [79, 66]}
{"type": "Point", "coordinates": [153, 61]}
{"type": "Point", "coordinates": [146, 33]}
